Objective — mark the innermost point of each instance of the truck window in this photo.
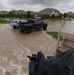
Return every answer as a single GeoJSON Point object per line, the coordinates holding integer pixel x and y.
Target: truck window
{"type": "Point", "coordinates": [30, 21]}
{"type": "Point", "coordinates": [38, 21]}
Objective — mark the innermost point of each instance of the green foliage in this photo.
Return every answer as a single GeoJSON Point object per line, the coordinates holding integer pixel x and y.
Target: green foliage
{"type": "Point", "coordinates": [65, 15]}
{"type": "Point", "coordinates": [52, 16]}
{"type": "Point", "coordinates": [28, 14]}
{"type": "Point", "coordinates": [13, 14]}
{"type": "Point", "coordinates": [4, 21]}
{"type": "Point", "coordinates": [53, 34]}
{"type": "Point", "coordinates": [60, 15]}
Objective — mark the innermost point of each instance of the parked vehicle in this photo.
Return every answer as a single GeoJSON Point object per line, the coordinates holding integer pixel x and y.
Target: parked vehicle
{"type": "Point", "coordinates": [32, 24]}
{"type": "Point", "coordinates": [15, 23]}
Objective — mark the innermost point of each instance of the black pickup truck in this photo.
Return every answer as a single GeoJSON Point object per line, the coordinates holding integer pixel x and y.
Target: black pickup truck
{"type": "Point", "coordinates": [32, 24]}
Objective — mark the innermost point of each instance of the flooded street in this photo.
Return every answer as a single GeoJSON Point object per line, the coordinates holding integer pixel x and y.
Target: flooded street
{"type": "Point", "coordinates": [53, 26]}
{"type": "Point", "coordinates": [15, 46]}
{"type": "Point", "coordinates": [67, 27]}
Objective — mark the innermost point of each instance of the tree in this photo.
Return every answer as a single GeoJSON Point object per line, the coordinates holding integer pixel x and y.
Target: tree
{"type": "Point", "coordinates": [28, 14]}
{"type": "Point", "coordinates": [65, 15]}
{"type": "Point", "coordinates": [11, 14]}
{"type": "Point", "coordinates": [60, 15]}
{"type": "Point", "coordinates": [52, 16]}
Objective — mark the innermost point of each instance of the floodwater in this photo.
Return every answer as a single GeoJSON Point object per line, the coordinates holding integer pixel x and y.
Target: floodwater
{"type": "Point", "coordinates": [67, 26]}
{"type": "Point", "coordinates": [15, 46]}
{"type": "Point", "coordinates": [53, 26]}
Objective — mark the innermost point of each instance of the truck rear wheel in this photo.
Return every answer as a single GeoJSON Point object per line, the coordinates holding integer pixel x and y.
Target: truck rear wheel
{"type": "Point", "coordinates": [44, 28]}
{"type": "Point", "coordinates": [29, 30]}
{"type": "Point", "coordinates": [14, 27]}
{"type": "Point", "coordinates": [22, 31]}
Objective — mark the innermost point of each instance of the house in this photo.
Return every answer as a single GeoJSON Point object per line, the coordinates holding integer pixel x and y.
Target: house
{"type": "Point", "coordinates": [18, 11]}
{"type": "Point", "coordinates": [70, 14]}
{"type": "Point", "coordinates": [4, 12]}
{"type": "Point", "coordinates": [49, 12]}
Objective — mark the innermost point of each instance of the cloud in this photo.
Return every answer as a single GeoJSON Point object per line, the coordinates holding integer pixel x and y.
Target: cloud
{"type": "Point", "coordinates": [42, 2]}
{"type": "Point", "coordinates": [66, 7]}
{"type": "Point", "coordinates": [2, 4]}
{"type": "Point", "coordinates": [36, 5]}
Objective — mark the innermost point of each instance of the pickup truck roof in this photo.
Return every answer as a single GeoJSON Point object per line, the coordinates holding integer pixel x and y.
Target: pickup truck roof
{"type": "Point", "coordinates": [34, 21]}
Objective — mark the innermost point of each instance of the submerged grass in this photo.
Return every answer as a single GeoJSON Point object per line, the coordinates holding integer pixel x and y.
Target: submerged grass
{"type": "Point", "coordinates": [3, 21]}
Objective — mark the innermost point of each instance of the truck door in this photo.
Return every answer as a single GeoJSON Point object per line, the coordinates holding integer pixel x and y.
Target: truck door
{"type": "Point", "coordinates": [37, 24]}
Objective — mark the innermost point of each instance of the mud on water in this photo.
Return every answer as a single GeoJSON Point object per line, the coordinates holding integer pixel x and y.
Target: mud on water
{"type": "Point", "coordinates": [15, 46]}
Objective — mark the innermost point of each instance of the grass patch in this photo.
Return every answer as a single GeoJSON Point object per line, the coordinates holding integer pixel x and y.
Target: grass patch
{"type": "Point", "coordinates": [4, 21]}
{"type": "Point", "coordinates": [54, 35]}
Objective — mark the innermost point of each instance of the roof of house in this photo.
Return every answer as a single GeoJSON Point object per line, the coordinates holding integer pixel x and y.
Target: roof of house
{"type": "Point", "coordinates": [48, 11]}
{"type": "Point", "coordinates": [18, 11]}
{"type": "Point", "coordinates": [70, 13]}
{"type": "Point", "coordinates": [4, 12]}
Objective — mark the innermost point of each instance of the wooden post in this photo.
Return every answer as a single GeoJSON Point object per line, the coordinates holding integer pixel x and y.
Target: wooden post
{"type": "Point", "coordinates": [58, 40]}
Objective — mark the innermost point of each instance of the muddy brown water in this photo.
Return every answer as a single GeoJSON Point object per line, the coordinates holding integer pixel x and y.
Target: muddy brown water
{"type": "Point", "coordinates": [15, 46]}
{"type": "Point", "coordinates": [67, 26]}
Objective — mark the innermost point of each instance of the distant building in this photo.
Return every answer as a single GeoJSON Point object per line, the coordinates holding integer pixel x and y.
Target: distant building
{"type": "Point", "coordinates": [49, 12]}
{"type": "Point", "coordinates": [18, 11]}
{"type": "Point", "coordinates": [4, 12]}
{"type": "Point", "coordinates": [70, 14]}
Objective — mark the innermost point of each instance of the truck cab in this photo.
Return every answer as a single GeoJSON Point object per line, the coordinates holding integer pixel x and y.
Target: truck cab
{"type": "Point", "coordinates": [32, 24]}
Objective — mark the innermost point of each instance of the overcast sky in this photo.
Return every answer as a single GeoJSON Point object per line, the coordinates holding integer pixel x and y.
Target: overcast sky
{"type": "Point", "coordinates": [37, 5]}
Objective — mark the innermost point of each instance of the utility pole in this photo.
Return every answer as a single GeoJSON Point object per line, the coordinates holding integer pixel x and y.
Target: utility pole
{"type": "Point", "coordinates": [58, 40]}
